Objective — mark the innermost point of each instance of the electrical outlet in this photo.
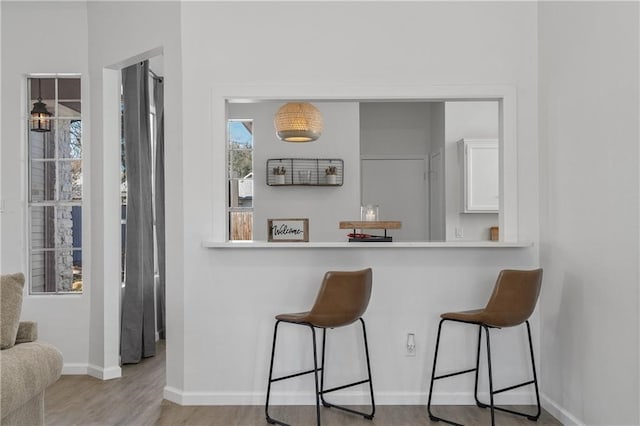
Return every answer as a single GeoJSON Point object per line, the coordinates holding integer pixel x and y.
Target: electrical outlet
{"type": "Point", "coordinates": [411, 345]}
{"type": "Point", "coordinates": [459, 232]}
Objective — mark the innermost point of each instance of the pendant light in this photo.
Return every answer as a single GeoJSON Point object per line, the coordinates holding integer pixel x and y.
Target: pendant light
{"type": "Point", "coordinates": [298, 122]}
{"type": "Point", "coordinates": [40, 121]}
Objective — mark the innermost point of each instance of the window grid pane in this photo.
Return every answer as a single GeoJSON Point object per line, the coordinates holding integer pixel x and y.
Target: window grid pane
{"type": "Point", "coordinates": [43, 180]}
{"type": "Point", "coordinates": [69, 137]}
{"type": "Point", "coordinates": [41, 145]}
{"type": "Point", "coordinates": [241, 224]}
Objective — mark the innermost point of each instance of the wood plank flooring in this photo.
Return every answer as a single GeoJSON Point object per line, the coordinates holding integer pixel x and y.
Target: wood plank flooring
{"type": "Point", "coordinates": [136, 399]}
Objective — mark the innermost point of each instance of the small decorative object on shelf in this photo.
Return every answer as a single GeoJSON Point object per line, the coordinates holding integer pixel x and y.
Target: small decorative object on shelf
{"type": "Point", "coordinates": [367, 224]}
{"type": "Point", "coordinates": [288, 230]}
{"type": "Point", "coordinates": [332, 174]}
{"type": "Point", "coordinates": [305, 171]}
{"type": "Point", "coordinates": [369, 213]}
{"type": "Point", "coordinates": [279, 172]}
{"type": "Point", "coordinates": [304, 177]}
{"type": "Point", "coordinates": [494, 233]}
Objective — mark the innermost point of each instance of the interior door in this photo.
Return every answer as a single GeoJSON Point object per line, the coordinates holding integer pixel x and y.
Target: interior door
{"type": "Point", "coordinates": [398, 186]}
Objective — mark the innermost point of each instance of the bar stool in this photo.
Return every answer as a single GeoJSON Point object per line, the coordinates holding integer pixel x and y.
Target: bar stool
{"type": "Point", "coordinates": [512, 302]}
{"type": "Point", "coordinates": [342, 300]}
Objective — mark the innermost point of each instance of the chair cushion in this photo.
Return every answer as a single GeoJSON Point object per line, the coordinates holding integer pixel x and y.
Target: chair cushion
{"type": "Point", "coordinates": [474, 316]}
{"type": "Point", "coordinates": [298, 317]}
{"type": "Point", "coordinates": [496, 319]}
{"type": "Point", "coordinates": [10, 308]}
{"type": "Point", "coordinates": [27, 332]}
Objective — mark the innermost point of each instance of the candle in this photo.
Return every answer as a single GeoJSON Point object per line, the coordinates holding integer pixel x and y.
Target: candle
{"type": "Point", "coordinates": [369, 213]}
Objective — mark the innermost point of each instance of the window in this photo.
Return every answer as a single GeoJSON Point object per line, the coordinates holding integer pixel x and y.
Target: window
{"type": "Point", "coordinates": [55, 187]}
{"type": "Point", "coordinates": [240, 179]}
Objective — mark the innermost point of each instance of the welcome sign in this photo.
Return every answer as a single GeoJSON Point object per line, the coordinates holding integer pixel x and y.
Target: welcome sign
{"type": "Point", "coordinates": [288, 230]}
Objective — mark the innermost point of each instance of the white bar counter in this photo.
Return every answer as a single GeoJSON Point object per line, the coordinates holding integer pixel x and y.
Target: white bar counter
{"type": "Point", "coordinates": [356, 245]}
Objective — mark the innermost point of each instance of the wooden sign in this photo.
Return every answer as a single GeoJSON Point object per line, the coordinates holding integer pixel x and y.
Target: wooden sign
{"type": "Point", "coordinates": [288, 230]}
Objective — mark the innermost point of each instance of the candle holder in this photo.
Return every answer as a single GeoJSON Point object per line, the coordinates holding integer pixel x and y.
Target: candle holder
{"type": "Point", "coordinates": [369, 213]}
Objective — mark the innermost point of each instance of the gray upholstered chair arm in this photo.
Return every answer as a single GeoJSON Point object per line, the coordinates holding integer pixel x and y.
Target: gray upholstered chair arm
{"type": "Point", "coordinates": [27, 332]}
{"type": "Point", "coordinates": [25, 371]}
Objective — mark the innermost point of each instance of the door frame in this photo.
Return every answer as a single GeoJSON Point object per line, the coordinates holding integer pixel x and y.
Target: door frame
{"type": "Point", "coordinates": [440, 153]}
{"type": "Point", "coordinates": [109, 233]}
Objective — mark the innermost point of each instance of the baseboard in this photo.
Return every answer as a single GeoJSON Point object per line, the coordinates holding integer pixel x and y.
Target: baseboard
{"type": "Point", "coordinates": [565, 417]}
{"type": "Point", "coordinates": [343, 398]}
{"type": "Point", "coordinates": [70, 369]}
{"type": "Point", "coordinates": [104, 373]}
{"type": "Point", "coordinates": [174, 395]}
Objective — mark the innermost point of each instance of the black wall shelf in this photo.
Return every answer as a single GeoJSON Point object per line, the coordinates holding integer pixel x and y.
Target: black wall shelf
{"type": "Point", "coordinates": [305, 172]}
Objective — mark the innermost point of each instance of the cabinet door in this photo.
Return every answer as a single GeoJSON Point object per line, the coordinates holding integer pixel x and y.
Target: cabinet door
{"type": "Point", "coordinates": [481, 176]}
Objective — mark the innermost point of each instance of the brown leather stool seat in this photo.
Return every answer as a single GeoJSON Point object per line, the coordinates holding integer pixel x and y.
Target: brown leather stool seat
{"type": "Point", "coordinates": [342, 300]}
{"type": "Point", "coordinates": [512, 302]}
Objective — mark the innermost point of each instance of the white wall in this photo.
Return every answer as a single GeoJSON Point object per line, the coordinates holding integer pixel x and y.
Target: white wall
{"type": "Point", "coordinates": [1, 175]}
{"type": "Point", "coordinates": [395, 128]}
{"type": "Point", "coordinates": [232, 295]}
{"type": "Point", "coordinates": [323, 206]}
{"type": "Point", "coordinates": [471, 120]}
{"type": "Point", "coordinates": [589, 109]}
{"type": "Point", "coordinates": [62, 320]}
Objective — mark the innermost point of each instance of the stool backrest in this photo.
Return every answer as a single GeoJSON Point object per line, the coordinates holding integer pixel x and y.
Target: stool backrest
{"type": "Point", "coordinates": [514, 297]}
{"type": "Point", "coordinates": [342, 299]}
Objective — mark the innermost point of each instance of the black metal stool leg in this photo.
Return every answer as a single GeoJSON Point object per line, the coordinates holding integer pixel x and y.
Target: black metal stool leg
{"type": "Point", "coordinates": [315, 372]}
{"type": "Point", "coordinates": [535, 376]}
{"type": "Point", "coordinates": [475, 391]}
{"type": "Point", "coordinates": [493, 420]}
{"type": "Point", "coordinates": [368, 416]}
{"type": "Point", "coordinates": [273, 351]}
{"type": "Point", "coordinates": [433, 417]}
{"type": "Point", "coordinates": [319, 382]}
{"type": "Point", "coordinates": [433, 373]}
{"type": "Point", "coordinates": [324, 340]}
{"type": "Point", "coordinates": [532, 417]}
{"type": "Point", "coordinates": [366, 351]}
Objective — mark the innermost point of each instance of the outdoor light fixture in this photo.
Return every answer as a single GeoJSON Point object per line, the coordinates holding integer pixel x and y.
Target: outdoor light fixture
{"type": "Point", "coordinates": [298, 122]}
{"type": "Point", "coordinates": [40, 121]}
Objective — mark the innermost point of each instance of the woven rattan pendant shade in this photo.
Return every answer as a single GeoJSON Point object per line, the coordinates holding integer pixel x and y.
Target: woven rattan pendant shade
{"type": "Point", "coordinates": [298, 122]}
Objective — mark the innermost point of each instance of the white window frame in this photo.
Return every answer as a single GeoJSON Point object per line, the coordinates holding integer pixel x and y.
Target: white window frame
{"type": "Point", "coordinates": [55, 117]}
{"type": "Point", "coordinates": [230, 178]}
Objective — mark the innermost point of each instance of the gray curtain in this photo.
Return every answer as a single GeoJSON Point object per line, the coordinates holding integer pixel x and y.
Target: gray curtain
{"type": "Point", "coordinates": [158, 96]}
{"type": "Point", "coordinates": [137, 336]}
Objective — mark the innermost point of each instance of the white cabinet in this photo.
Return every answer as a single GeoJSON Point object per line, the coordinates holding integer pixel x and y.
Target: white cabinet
{"type": "Point", "coordinates": [481, 175]}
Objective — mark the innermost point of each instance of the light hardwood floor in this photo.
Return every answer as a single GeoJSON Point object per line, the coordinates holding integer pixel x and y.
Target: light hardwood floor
{"type": "Point", "coordinates": [136, 399]}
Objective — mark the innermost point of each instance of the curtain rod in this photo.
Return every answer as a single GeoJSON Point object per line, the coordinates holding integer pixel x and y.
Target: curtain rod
{"type": "Point", "coordinates": [154, 75]}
